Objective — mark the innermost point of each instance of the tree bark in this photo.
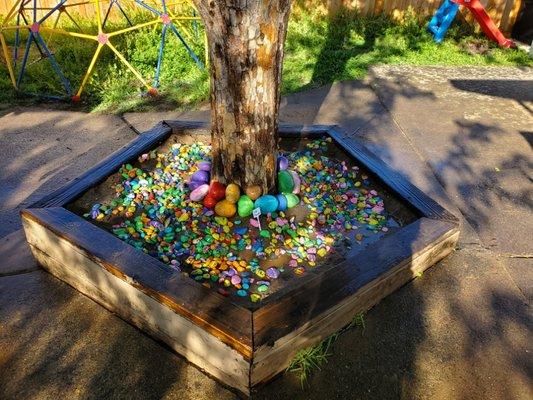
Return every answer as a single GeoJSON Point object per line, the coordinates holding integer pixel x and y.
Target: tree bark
{"type": "Point", "coordinates": [246, 40]}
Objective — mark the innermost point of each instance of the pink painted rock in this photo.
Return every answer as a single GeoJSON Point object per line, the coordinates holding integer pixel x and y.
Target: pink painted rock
{"type": "Point", "coordinates": [199, 193]}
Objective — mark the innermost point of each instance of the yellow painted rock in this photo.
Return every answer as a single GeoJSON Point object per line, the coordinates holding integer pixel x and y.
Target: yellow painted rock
{"type": "Point", "coordinates": [225, 208]}
{"type": "Point", "coordinates": [233, 193]}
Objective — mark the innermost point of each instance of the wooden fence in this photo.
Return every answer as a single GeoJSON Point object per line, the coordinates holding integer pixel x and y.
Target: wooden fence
{"type": "Point", "coordinates": [503, 12]}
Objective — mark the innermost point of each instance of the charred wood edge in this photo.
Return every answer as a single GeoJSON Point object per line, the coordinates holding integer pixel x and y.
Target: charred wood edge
{"type": "Point", "coordinates": [228, 322]}
{"type": "Point", "coordinates": [284, 313]}
{"type": "Point", "coordinates": [395, 181]}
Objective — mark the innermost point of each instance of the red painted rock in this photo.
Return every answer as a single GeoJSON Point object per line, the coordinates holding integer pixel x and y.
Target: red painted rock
{"type": "Point", "coordinates": [210, 201]}
{"type": "Point", "coordinates": [217, 190]}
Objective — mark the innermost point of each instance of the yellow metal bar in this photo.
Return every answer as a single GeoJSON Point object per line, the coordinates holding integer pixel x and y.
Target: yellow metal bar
{"type": "Point", "coordinates": [68, 33]}
{"type": "Point", "coordinates": [10, 13]}
{"type": "Point", "coordinates": [90, 69]}
{"type": "Point", "coordinates": [206, 51]}
{"type": "Point", "coordinates": [132, 28]}
{"type": "Point", "coordinates": [98, 16]}
{"type": "Point", "coordinates": [8, 60]}
{"type": "Point", "coordinates": [127, 64]}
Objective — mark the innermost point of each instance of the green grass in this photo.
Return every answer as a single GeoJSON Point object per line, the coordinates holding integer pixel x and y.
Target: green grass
{"type": "Point", "coordinates": [319, 50]}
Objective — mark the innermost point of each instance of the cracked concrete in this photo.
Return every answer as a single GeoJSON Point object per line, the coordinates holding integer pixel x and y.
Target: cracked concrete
{"type": "Point", "coordinates": [461, 331]}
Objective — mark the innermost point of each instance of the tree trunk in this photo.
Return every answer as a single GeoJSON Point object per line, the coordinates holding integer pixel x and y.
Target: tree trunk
{"type": "Point", "coordinates": [246, 40]}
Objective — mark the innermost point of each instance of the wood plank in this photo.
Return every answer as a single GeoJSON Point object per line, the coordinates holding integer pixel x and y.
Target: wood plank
{"type": "Point", "coordinates": [61, 233]}
{"type": "Point", "coordinates": [102, 170]}
{"type": "Point", "coordinates": [273, 357]}
{"type": "Point", "coordinates": [284, 311]}
{"type": "Point", "coordinates": [394, 181]}
{"type": "Point", "coordinates": [194, 343]}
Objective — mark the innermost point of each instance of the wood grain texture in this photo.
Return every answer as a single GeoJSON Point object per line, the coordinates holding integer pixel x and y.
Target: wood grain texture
{"type": "Point", "coordinates": [285, 311]}
{"type": "Point", "coordinates": [360, 293]}
{"type": "Point", "coordinates": [394, 181]}
{"type": "Point", "coordinates": [216, 314]}
{"type": "Point", "coordinates": [102, 170]}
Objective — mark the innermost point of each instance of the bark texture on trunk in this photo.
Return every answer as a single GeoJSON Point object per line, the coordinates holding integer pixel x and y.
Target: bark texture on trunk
{"type": "Point", "coordinates": [246, 40]}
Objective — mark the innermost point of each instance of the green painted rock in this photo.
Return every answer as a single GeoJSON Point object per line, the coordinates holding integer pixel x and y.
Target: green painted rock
{"type": "Point", "coordinates": [285, 182]}
{"type": "Point", "coordinates": [292, 200]}
{"type": "Point", "coordinates": [245, 205]}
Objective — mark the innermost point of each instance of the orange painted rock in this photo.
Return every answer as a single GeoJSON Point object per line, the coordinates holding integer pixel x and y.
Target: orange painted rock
{"type": "Point", "coordinates": [217, 190]}
{"type": "Point", "coordinates": [225, 208]}
{"type": "Point", "coordinates": [233, 192]}
{"type": "Point", "coordinates": [253, 192]}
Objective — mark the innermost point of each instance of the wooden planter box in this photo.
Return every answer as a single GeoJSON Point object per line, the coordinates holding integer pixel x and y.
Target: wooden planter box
{"type": "Point", "coordinates": [241, 345]}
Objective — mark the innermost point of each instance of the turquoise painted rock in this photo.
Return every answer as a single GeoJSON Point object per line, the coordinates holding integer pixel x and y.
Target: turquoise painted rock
{"type": "Point", "coordinates": [267, 203]}
{"type": "Point", "coordinates": [245, 205]}
{"type": "Point", "coordinates": [297, 182]}
{"type": "Point", "coordinates": [285, 182]}
{"type": "Point", "coordinates": [282, 202]}
{"type": "Point", "coordinates": [292, 200]}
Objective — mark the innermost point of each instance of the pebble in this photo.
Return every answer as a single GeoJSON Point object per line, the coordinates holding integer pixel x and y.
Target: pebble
{"type": "Point", "coordinates": [225, 208]}
{"type": "Point", "coordinates": [283, 163]}
{"type": "Point", "coordinates": [245, 206]}
{"type": "Point", "coordinates": [233, 192]}
{"type": "Point", "coordinates": [199, 193]}
{"type": "Point", "coordinates": [285, 182]}
{"type": "Point", "coordinates": [292, 200]}
{"type": "Point", "coordinates": [210, 201]}
{"type": "Point", "coordinates": [217, 190]}
{"type": "Point", "coordinates": [282, 202]}
{"type": "Point", "coordinates": [200, 176]}
{"type": "Point", "coordinates": [267, 203]}
{"type": "Point", "coordinates": [297, 182]}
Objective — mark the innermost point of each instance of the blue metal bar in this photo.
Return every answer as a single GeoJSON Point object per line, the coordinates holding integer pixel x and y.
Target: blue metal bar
{"type": "Point", "coordinates": [143, 4]}
{"type": "Point", "coordinates": [17, 42]}
{"type": "Point", "coordinates": [24, 60]}
{"type": "Point", "coordinates": [53, 10]}
{"type": "Point", "coordinates": [55, 65]}
{"type": "Point", "coordinates": [189, 50]}
{"type": "Point", "coordinates": [160, 56]}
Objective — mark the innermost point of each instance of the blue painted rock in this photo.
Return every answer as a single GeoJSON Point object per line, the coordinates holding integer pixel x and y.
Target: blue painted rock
{"type": "Point", "coordinates": [283, 163]}
{"type": "Point", "coordinates": [225, 208]}
{"type": "Point", "coordinates": [292, 200]}
{"type": "Point", "coordinates": [285, 182]}
{"type": "Point", "coordinates": [297, 182]}
{"type": "Point", "coordinates": [267, 203]}
{"type": "Point", "coordinates": [245, 205]}
{"type": "Point", "coordinates": [282, 202]}
{"type": "Point", "coordinates": [200, 176]}
{"type": "Point", "coordinates": [199, 193]}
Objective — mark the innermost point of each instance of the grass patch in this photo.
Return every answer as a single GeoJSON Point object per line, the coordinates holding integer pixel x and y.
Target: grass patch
{"type": "Point", "coordinates": [308, 360]}
{"type": "Point", "coordinates": [319, 50]}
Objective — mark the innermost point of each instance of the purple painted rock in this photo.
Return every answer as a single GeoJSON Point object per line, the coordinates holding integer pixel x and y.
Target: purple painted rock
{"type": "Point", "coordinates": [204, 166]}
{"type": "Point", "coordinates": [283, 163]}
{"type": "Point", "coordinates": [272, 273]}
{"type": "Point", "coordinates": [199, 193]}
{"type": "Point", "coordinates": [297, 182]}
{"type": "Point", "coordinates": [200, 176]}
{"type": "Point", "coordinates": [195, 184]}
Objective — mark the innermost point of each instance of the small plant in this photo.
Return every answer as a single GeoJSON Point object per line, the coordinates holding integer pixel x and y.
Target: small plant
{"type": "Point", "coordinates": [307, 360]}
{"type": "Point", "coordinates": [357, 321]}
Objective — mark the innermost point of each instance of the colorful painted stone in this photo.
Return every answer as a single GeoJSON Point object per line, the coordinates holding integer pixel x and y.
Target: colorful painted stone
{"type": "Point", "coordinates": [233, 192]}
{"type": "Point", "coordinates": [267, 204]}
{"type": "Point", "coordinates": [285, 182]}
{"type": "Point", "coordinates": [282, 202]}
{"type": "Point", "coordinates": [283, 163]}
{"type": "Point", "coordinates": [292, 200]}
{"type": "Point", "coordinates": [253, 192]}
{"type": "Point", "coordinates": [204, 166]}
{"type": "Point", "coordinates": [199, 193]}
{"type": "Point", "coordinates": [210, 201]}
{"type": "Point", "coordinates": [272, 273]}
{"type": "Point", "coordinates": [200, 176]}
{"type": "Point", "coordinates": [297, 182]}
{"type": "Point", "coordinates": [225, 208]}
{"type": "Point", "coordinates": [195, 184]}
{"type": "Point", "coordinates": [217, 190]}
{"type": "Point", "coordinates": [245, 205]}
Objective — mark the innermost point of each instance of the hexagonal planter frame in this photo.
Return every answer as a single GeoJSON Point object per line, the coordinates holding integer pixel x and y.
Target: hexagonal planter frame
{"type": "Point", "coordinates": [240, 346]}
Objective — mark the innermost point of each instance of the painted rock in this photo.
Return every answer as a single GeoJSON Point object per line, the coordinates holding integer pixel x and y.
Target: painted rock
{"type": "Point", "coordinates": [195, 184]}
{"type": "Point", "coordinates": [225, 208]}
{"type": "Point", "coordinates": [253, 192]}
{"type": "Point", "coordinates": [245, 206]}
{"type": "Point", "coordinates": [285, 182]}
{"type": "Point", "coordinates": [272, 273]}
{"type": "Point", "coordinates": [282, 202]}
{"type": "Point", "coordinates": [200, 176]}
{"type": "Point", "coordinates": [292, 200]}
{"type": "Point", "coordinates": [217, 190]}
{"type": "Point", "coordinates": [204, 166]}
{"type": "Point", "coordinates": [199, 193]}
{"type": "Point", "coordinates": [297, 182]}
{"type": "Point", "coordinates": [233, 192]}
{"type": "Point", "coordinates": [283, 163]}
{"type": "Point", "coordinates": [210, 201]}
{"type": "Point", "coordinates": [267, 204]}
